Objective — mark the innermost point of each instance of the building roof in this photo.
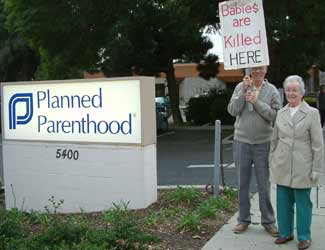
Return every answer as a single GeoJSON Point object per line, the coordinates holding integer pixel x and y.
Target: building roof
{"type": "Point", "coordinates": [183, 70]}
{"type": "Point", "coordinates": [229, 76]}
{"type": "Point", "coordinates": [88, 75]}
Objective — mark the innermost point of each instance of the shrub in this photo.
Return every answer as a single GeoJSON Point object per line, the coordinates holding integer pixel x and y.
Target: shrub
{"type": "Point", "coordinates": [154, 219]}
{"type": "Point", "coordinates": [189, 222]}
{"type": "Point", "coordinates": [230, 193]}
{"type": "Point", "coordinates": [210, 107]}
{"type": "Point", "coordinates": [61, 232]}
{"type": "Point", "coordinates": [12, 231]}
{"type": "Point", "coordinates": [187, 195]}
{"type": "Point", "coordinates": [86, 245]}
{"type": "Point", "coordinates": [123, 231]}
{"type": "Point", "coordinates": [69, 231]}
{"type": "Point", "coordinates": [218, 108]}
{"type": "Point", "coordinates": [222, 203]}
{"type": "Point", "coordinates": [11, 224]}
{"type": "Point", "coordinates": [13, 244]}
{"type": "Point", "coordinates": [311, 100]}
{"type": "Point", "coordinates": [198, 111]}
{"type": "Point", "coordinates": [36, 217]}
{"type": "Point", "coordinates": [208, 209]}
{"type": "Point", "coordinates": [170, 212]}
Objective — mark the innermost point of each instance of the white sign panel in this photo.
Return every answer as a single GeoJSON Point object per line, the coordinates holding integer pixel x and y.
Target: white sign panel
{"type": "Point", "coordinates": [102, 111]}
{"type": "Point", "coordinates": [243, 32]}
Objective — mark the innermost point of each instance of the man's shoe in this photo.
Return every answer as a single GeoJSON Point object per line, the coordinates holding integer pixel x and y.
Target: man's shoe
{"type": "Point", "coordinates": [272, 230]}
{"type": "Point", "coordinates": [282, 240]}
{"type": "Point", "coordinates": [240, 228]}
{"type": "Point", "coordinates": [304, 244]}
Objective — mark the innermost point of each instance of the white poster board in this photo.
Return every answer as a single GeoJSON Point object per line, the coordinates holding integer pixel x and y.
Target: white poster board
{"type": "Point", "coordinates": [243, 32]}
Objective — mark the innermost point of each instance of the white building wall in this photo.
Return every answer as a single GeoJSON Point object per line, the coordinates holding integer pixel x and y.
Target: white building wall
{"type": "Point", "coordinates": [194, 86]}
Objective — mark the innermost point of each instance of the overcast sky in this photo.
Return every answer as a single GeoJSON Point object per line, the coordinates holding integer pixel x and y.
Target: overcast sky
{"type": "Point", "coordinates": [217, 45]}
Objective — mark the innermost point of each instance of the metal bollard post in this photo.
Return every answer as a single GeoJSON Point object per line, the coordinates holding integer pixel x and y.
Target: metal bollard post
{"type": "Point", "coordinates": [317, 196]}
{"type": "Point", "coordinates": [222, 171]}
{"type": "Point", "coordinates": [216, 169]}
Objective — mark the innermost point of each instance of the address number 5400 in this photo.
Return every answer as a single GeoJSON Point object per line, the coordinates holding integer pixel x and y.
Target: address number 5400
{"type": "Point", "coordinates": [67, 154]}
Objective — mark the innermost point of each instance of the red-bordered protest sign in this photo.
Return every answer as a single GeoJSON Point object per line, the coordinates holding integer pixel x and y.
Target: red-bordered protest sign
{"type": "Point", "coordinates": [243, 32]}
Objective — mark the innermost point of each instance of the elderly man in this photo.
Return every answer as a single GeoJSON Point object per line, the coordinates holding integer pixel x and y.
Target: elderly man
{"type": "Point", "coordinates": [254, 103]}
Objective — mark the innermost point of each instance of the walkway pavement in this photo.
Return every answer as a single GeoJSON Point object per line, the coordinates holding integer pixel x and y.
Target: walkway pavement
{"type": "Point", "coordinates": [256, 238]}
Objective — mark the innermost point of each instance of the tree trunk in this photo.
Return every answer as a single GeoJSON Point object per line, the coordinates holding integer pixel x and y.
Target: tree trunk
{"type": "Point", "coordinates": [173, 93]}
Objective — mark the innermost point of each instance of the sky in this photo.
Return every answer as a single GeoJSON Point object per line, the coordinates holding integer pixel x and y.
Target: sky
{"type": "Point", "coordinates": [217, 44]}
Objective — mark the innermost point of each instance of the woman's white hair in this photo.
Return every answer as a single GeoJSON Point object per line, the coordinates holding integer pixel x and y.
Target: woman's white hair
{"type": "Point", "coordinates": [295, 78]}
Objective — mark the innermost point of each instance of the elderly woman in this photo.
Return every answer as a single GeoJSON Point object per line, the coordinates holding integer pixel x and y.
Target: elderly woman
{"type": "Point", "coordinates": [296, 158]}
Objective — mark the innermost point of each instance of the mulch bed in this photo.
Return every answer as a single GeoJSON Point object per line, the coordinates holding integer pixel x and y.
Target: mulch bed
{"type": "Point", "coordinates": [162, 219]}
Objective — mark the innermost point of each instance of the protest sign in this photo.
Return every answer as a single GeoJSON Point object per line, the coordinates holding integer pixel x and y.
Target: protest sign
{"type": "Point", "coordinates": [243, 32]}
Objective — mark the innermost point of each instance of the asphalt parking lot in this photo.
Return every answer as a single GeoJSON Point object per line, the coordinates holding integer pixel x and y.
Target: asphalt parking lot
{"type": "Point", "coordinates": [185, 157]}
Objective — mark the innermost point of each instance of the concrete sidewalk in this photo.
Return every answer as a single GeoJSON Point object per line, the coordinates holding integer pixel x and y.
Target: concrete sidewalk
{"type": "Point", "coordinates": [256, 238]}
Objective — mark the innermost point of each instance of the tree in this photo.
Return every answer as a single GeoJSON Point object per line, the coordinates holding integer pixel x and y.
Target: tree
{"type": "Point", "coordinates": [18, 61]}
{"type": "Point", "coordinates": [209, 68]}
{"type": "Point", "coordinates": [153, 35]}
{"type": "Point", "coordinates": [68, 34]}
{"type": "Point", "coordinates": [295, 30]}
{"type": "Point", "coordinates": [56, 67]}
{"type": "Point", "coordinates": [150, 35]}
{"type": "Point", "coordinates": [114, 36]}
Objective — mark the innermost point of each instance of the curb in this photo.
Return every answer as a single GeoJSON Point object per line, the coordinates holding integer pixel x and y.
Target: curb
{"type": "Point", "coordinates": [203, 127]}
{"type": "Point", "coordinates": [182, 186]}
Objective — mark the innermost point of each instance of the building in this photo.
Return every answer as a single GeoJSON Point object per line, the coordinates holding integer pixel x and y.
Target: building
{"type": "Point", "coordinates": [186, 76]}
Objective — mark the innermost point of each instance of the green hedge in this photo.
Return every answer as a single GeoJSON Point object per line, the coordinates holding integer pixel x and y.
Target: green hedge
{"type": "Point", "coordinates": [311, 100]}
{"type": "Point", "coordinates": [210, 107]}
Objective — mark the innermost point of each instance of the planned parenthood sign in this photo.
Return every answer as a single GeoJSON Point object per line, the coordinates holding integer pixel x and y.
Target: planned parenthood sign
{"type": "Point", "coordinates": [99, 111]}
{"type": "Point", "coordinates": [243, 32]}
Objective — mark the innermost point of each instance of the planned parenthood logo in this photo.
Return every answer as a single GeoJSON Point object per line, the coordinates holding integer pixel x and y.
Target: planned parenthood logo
{"type": "Point", "coordinates": [20, 119]}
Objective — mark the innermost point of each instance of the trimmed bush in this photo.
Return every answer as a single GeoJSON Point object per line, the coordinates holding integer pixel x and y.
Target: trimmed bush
{"type": "Point", "coordinates": [311, 100]}
{"type": "Point", "coordinates": [218, 108]}
{"type": "Point", "coordinates": [197, 111]}
{"type": "Point", "coordinates": [210, 107]}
